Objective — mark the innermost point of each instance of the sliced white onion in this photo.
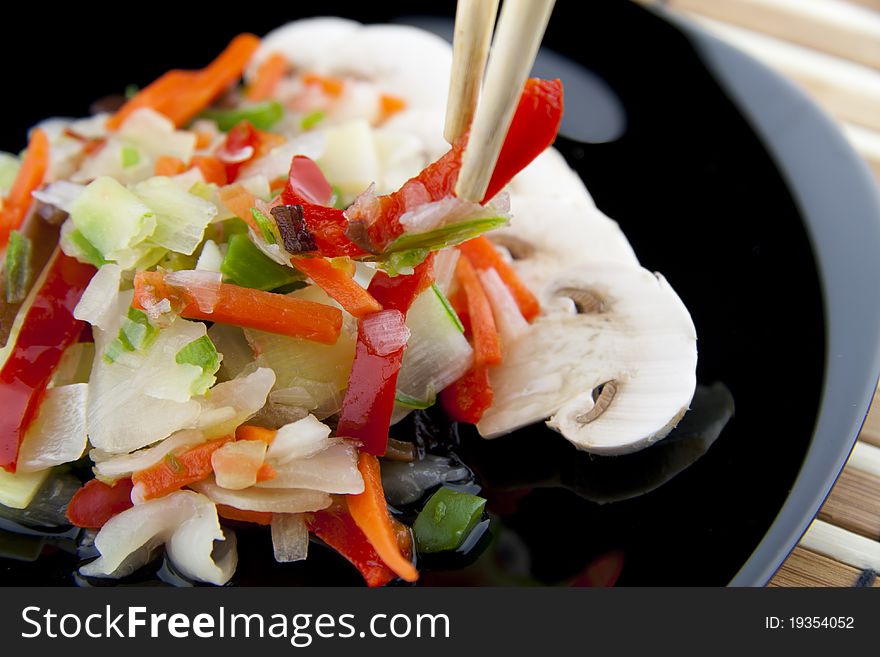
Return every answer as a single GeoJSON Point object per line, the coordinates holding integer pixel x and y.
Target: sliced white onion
{"type": "Point", "coordinates": [235, 157]}
{"type": "Point", "coordinates": [384, 332]}
{"type": "Point", "coordinates": [211, 257]}
{"type": "Point", "coordinates": [184, 521]}
{"type": "Point", "coordinates": [280, 500]}
{"type": "Point", "coordinates": [236, 464]}
{"type": "Point", "coordinates": [511, 324]}
{"type": "Point", "coordinates": [237, 354]}
{"type": "Point", "coordinates": [244, 396]}
{"type": "Point", "coordinates": [114, 466]}
{"type": "Point", "coordinates": [290, 537]}
{"type": "Point", "coordinates": [298, 440]}
{"type": "Point", "coordinates": [58, 434]}
{"type": "Point", "coordinates": [445, 261]}
{"type": "Point", "coordinates": [276, 163]}
{"type": "Point", "coordinates": [333, 470]}
{"type": "Point", "coordinates": [203, 286]}
{"type": "Point", "coordinates": [97, 306]}
{"type": "Point", "coordinates": [154, 134]}
{"type": "Point", "coordinates": [60, 194]}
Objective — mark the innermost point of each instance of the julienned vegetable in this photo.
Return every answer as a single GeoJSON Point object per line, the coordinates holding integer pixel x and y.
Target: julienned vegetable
{"type": "Point", "coordinates": [29, 177]}
{"type": "Point", "coordinates": [241, 306]}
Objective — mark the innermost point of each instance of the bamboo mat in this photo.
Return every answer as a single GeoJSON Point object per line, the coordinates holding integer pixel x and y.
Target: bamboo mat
{"type": "Point", "coordinates": [831, 48]}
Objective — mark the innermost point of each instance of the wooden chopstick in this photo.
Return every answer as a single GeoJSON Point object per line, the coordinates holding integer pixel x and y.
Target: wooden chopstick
{"type": "Point", "coordinates": [520, 30]}
{"type": "Point", "coordinates": [474, 22]}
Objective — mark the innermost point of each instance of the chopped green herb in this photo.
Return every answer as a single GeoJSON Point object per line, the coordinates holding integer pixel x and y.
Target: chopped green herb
{"type": "Point", "coordinates": [202, 354]}
{"type": "Point", "coordinates": [408, 401]}
{"type": "Point", "coordinates": [131, 156]}
{"type": "Point", "coordinates": [261, 115]}
{"type": "Point", "coordinates": [403, 262]}
{"type": "Point", "coordinates": [309, 121]}
{"type": "Point", "coordinates": [448, 308]}
{"type": "Point", "coordinates": [174, 464]}
{"type": "Point", "coordinates": [445, 236]}
{"type": "Point", "coordinates": [268, 229]}
{"type": "Point", "coordinates": [17, 267]}
{"type": "Point", "coordinates": [131, 91]}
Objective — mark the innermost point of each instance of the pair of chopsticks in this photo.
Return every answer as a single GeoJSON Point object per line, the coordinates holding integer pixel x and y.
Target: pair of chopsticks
{"type": "Point", "coordinates": [521, 27]}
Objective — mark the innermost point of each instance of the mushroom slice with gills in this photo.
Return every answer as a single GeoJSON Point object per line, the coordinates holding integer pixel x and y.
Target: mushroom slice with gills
{"type": "Point", "coordinates": [186, 522]}
{"type": "Point", "coordinates": [614, 372]}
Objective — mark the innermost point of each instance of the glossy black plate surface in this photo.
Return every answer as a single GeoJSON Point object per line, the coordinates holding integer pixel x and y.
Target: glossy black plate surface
{"type": "Point", "coordinates": [709, 196]}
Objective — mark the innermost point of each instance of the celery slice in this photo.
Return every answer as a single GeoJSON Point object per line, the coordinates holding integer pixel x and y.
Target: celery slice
{"type": "Point", "coordinates": [17, 267]}
{"type": "Point", "coordinates": [261, 115]}
{"type": "Point", "coordinates": [447, 519]}
{"type": "Point", "coordinates": [131, 156]}
{"type": "Point", "coordinates": [309, 121]}
{"type": "Point", "coordinates": [450, 235]}
{"type": "Point", "coordinates": [247, 266]}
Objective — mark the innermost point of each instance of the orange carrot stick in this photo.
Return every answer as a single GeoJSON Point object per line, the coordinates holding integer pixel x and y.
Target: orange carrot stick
{"type": "Point", "coordinates": [246, 307]}
{"type": "Point", "coordinates": [339, 285]}
{"type": "Point", "coordinates": [166, 165]}
{"type": "Point", "coordinates": [370, 513]}
{"type": "Point", "coordinates": [177, 470]}
{"type": "Point", "coordinates": [30, 176]}
{"type": "Point", "coordinates": [269, 74]}
{"type": "Point", "coordinates": [243, 515]}
{"type": "Point", "coordinates": [333, 87]}
{"type": "Point", "coordinates": [213, 170]}
{"type": "Point", "coordinates": [180, 95]}
{"type": "Point", "coordinates": [239, 201]}
{"type": "Point", "coordinates": [483, 255]}
{"type": "Point", "coordinates": [487, 346]}
{"type": "Point", "coordinates": [253, 432]}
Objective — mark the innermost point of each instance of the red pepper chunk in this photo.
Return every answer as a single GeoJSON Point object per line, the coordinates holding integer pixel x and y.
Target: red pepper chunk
{"type": "Point", "coordinates": [468, 398]}
{"type": "Point", "coordinates": [49, 328]}
{"type": "Point", "coordinates": [96, 502]}
{"type": "Point", "coordinates": [369, 399]}
{"type": "Point", "coordinates": [337, 528]}
{"type": "Point", "coordinates": [532, 129]}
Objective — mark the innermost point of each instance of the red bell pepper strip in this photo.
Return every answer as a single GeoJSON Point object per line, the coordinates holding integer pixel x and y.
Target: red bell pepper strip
{"type": "Point", "coordinates": [468, 398]}
{"type": "Point", "coordinates": [49, 328]}
{"type": "Point", "coordinates": [245, 307]}
{"type": "Point", "coordinates": [337, 528]}
{"type": "Point", "coordinates": [30, 176]}
{"type": "Point", "coordinates": [96, 502]}
{"type": "Point", "coordinates": [369, 399]}
{"type": "Point", "coordinates": [307, 181]}
{"type": "Point", "coordinates": [243, 143]}
{"type": "Point", "coordinates": [327, 225]}
{"type": "Point", "coordinates": [533, 128]}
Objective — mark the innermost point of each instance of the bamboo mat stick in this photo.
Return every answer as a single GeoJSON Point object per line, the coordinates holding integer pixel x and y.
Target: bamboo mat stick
{"type": "Point", "coordinates": [806, 568]}
{"type": "Point", "coordinates": [842, 545]}
{"type": "Point", "coordinates": [833, 26]}
{"type": "Point", "coordinates": [474, 22]}
{"type": "Point", "coordinates": [847, 90]}
{"type": "Point", "coordinates": [514, 47]}
{"type": "Point", "coordinates": [854, 503]}
{"type": "Point", "coordinates": [865, 458]}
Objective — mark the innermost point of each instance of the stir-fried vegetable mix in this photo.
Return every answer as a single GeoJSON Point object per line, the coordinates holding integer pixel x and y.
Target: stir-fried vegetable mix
{"type": "Point", "coordinates": [252, 282]}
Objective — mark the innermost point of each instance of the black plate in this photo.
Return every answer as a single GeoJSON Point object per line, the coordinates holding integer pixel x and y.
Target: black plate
{"type": "Point", "coordinates": [726, 180]}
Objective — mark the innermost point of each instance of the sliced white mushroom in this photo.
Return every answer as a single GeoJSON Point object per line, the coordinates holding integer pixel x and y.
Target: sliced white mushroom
{"type": "Point", "coordinates": [407, 62]}
{"type": "Point", "coordinates": [614, 372]}
{"type": "Point", "coordinates": [184, 521]}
